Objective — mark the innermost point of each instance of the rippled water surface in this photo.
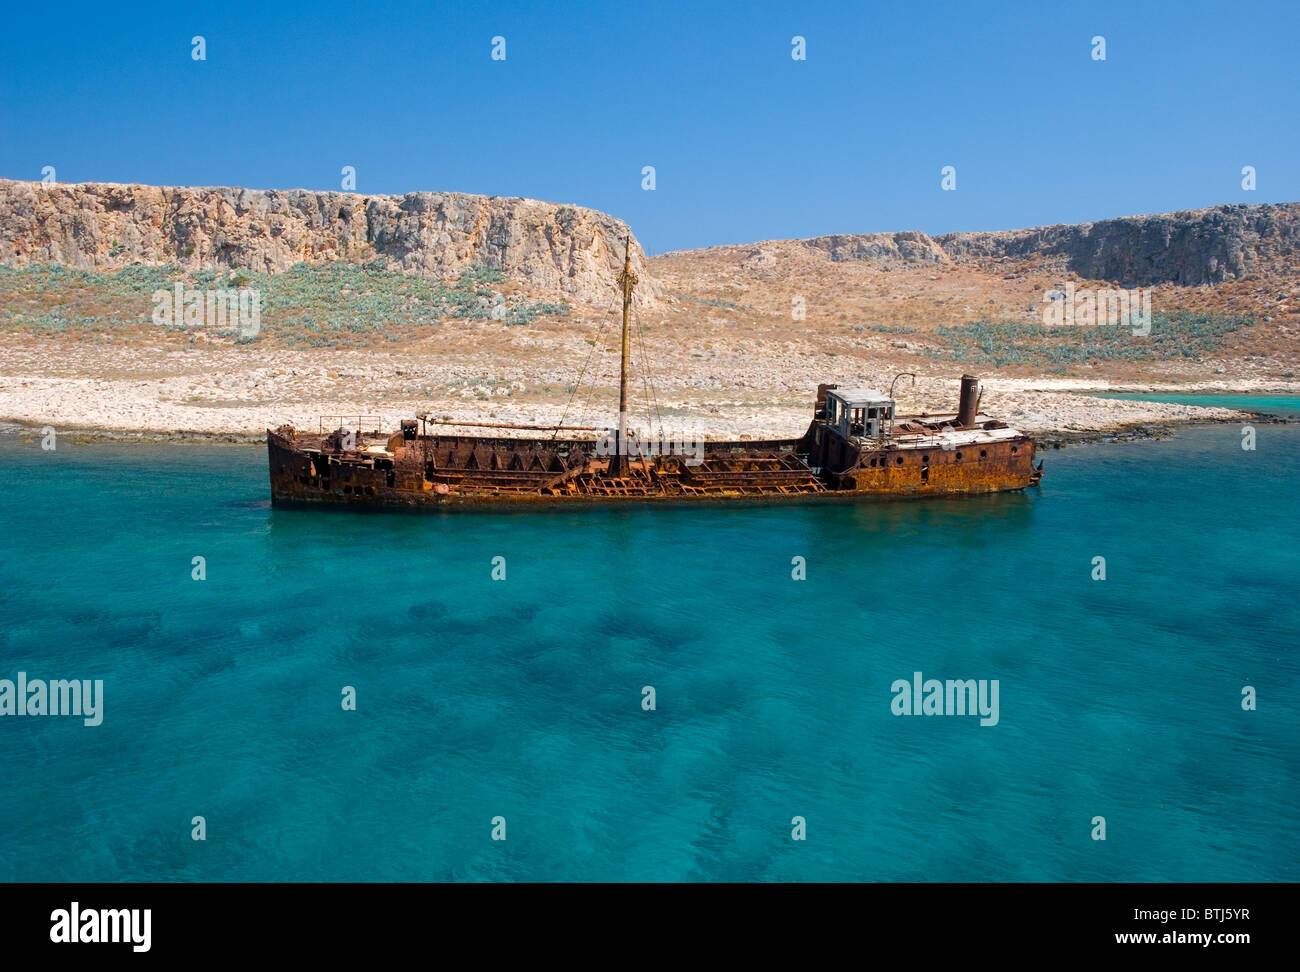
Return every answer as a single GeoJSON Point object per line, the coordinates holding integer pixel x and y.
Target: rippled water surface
{"type": "Point", "coordinates": [522, 698]}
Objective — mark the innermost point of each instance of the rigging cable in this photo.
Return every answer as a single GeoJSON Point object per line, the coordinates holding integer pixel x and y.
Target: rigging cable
{"type": "Point", "coordinates": [648, 383]}
{"type": "Point", "coordinates": [578, 383]}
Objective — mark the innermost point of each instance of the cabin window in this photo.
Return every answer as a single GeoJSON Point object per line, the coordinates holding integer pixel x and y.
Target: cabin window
{"type": "Point", "coordinates": [899, 460]}
{"type": "Point", "coordinates": [1013, 450]}
{"type": "Point", "coordinates": [984, 453]}
{"type": "Point", "coordinates": [959, 457]}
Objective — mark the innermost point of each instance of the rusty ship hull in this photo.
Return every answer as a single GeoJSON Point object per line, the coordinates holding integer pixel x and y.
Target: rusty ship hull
{"type": "Point", "coordinates": [843, 455]}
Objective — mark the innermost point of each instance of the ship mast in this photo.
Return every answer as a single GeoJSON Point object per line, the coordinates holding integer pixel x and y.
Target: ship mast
{"type": "Point", "coordinates": [618, 465]}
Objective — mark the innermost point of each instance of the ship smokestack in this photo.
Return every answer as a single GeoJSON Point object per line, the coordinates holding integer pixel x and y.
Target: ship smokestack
{"type": "Point", "coordinates": [969, 404]}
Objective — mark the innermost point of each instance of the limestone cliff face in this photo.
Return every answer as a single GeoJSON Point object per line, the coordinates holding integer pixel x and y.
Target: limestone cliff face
{"type": "Point", "coordinates": [1201, 246]}
{"type": "Point", "coordinates": [883, 249]}
{"type": "Point", "coordinates": [565, 250]}
{"type": "Point", "coordinates": [569, 251]}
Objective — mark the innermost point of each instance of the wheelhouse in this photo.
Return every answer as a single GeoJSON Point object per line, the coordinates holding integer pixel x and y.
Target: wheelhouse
{"type": "Point", "coordinates": [859, 413]}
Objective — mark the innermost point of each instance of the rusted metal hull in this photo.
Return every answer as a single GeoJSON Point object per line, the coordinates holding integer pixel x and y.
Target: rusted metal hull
{"type": "Point", "coordinates": [434, 472]}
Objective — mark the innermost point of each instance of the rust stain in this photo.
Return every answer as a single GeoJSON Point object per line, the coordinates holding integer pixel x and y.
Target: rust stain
{"type": "Point", "coordinates": [854, 448]}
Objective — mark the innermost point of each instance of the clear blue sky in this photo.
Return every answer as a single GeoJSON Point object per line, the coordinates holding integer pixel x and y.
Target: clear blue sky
{"type": "Point", "coordinates": [748, 144]}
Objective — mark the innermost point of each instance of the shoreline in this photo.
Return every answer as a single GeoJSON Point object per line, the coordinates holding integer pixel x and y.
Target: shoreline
{"type": "Point", "coordinates": [1135, 431]}
{"type": "Point", "coordinates": [750, 383]}
{"type": "Point", "coordinates": [1149, 431]}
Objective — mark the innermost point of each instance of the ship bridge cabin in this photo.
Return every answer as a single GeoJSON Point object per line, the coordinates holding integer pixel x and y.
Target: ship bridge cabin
{"type": "Point", "coordinates": [859, 413]}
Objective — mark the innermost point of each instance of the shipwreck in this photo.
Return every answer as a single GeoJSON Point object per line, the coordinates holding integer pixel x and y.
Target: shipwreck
{"type": "Point", "coordinates": [855, 448]}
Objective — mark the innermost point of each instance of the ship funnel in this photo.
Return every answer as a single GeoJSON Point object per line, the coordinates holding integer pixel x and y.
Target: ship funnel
{"type": "Point", "coordinates": [969, 404]}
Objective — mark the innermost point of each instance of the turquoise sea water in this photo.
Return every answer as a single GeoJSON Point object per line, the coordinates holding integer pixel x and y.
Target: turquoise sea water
{"type": "Point", "coordinates": [522, 698]}
{"type": "Point", "coordinates": [1287, 405]}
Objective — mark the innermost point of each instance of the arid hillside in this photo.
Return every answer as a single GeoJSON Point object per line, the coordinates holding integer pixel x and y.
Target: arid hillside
{"type": "Point", "coordinates": [507, 310]}
{"type": "Point", "coordinates": [1224, 289]}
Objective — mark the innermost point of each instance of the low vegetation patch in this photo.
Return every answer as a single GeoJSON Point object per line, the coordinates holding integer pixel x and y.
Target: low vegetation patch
{"type": "Point", "coordinates": [329, 305]}
{"type": "Point", "coordinates": [715, 302]}
{"type": "Point", "coordinates": [1180, 334]}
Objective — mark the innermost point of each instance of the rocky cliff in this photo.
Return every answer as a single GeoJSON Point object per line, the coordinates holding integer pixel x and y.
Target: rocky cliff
{"type": "Point", "coordinates": [1201, 246]}
{"type": "Point", "coordinates": [566, 250]}
{"type": "Point", "coordinates": [570, 251]}
{"type": "Point", "coordinates": [883, 249]}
